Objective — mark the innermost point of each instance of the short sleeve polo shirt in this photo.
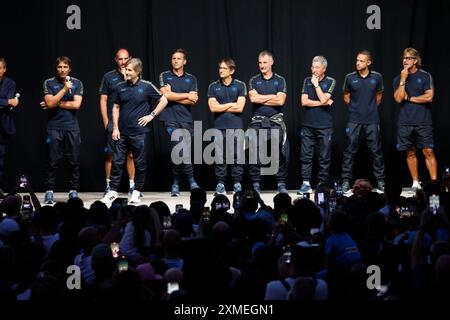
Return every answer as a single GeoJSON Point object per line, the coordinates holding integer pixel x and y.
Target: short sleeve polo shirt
{"type": "Point", "coordinates": [318, 117]}
{"type": "Point", "coordinates": [363, 107]}
{"type": "Point", "coordinates": [185, 83]}
{"type": "Point", "coordinates": [264, 86]}
{"type": "Point", "coordinates": [58, 118]}
{"type": "Point", "coordinates": [227, 94]}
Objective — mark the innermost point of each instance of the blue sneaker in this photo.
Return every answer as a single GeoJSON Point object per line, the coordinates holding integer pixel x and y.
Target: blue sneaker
{"type": "Point", "coordinates": [194, 185]}
{"type": "Point", "coordinates": [256, 187]}
{"type": "Point", "coordinates": [305, 188]}
{"type": "Point", "coordinates": [175, 191]}
{"type": "Point", "coordinates": [73, 194]}
{"type": "Point", "coordinates": [48, 199]}
{"type": "Point", "coordinates": [237, 187]}
{"type": "Point", "coordinates": [282, 188]}
{"type": "Point", "coordinates": [220, 189]}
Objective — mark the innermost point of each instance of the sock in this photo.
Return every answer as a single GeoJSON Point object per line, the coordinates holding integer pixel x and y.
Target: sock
{"type": "Point", "coordinates": [131, 183]}
{"type": "Point", "coordinates": [306, 182]}
{"type": "Point", "coordinates": [107, 182]}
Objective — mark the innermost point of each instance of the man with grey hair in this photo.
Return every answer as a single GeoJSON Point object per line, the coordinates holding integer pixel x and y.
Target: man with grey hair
{"type": "Point", "coordinates": [267, 92]}
{"type": "Point", "coordinates": [317, 124]}
{"type": "Point", "coordinates": [131, 115]}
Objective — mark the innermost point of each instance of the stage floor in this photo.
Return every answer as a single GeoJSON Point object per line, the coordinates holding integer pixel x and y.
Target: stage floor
{"type": "Point", "coordinates": [149, 197]}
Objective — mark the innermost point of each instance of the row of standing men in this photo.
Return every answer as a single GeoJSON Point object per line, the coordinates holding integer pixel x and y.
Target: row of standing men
{"type": "Point", "coordinates": [125, 110]}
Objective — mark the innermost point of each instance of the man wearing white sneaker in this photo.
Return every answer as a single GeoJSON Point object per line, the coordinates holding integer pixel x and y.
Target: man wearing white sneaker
{"type": "Point", "coordinates": [62, 98]}
{"type": "Point", "coordinates": [131, 115]}
{"type": "Point", "coordinates": [414, 91]}
{"type": "Point", "coordinates": [226, 99]}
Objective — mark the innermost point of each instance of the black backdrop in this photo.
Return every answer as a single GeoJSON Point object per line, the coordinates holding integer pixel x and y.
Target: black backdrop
{"type": "Point", "coordinates": [34, 33]}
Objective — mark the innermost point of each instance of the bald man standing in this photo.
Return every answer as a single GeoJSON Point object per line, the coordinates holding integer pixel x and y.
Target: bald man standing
{"type": "Point", "coordinates": [109, 81]}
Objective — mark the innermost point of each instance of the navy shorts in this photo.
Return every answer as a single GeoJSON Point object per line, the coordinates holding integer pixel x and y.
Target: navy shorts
{"type": "Point", "coordinates": [412, 136]}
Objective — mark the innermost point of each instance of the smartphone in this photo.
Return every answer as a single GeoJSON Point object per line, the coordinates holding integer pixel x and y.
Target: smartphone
{"type": "Point", "coordinates": [172, 286]}
{"type": "Point", "coordinates": [23, 181]}
{"type": "Point", "coordinates": [178, 207]}
{"type": "Point", "coordinates": [434, 203]}
{"type": "Point", "coordinates": [122, 264]}
{"type": "Point", "coordinates": [167, 222]}
{"type": "Point", "coordinates": [205, 214]}
{"type": "Point", "coordinates": [115, 249]}
{"type": "Point", "coordinates": [27, 207]}
{"type": "Point", "coordinates": [320, 198]}
{"type": "Point", "coordinates": [287, 257]}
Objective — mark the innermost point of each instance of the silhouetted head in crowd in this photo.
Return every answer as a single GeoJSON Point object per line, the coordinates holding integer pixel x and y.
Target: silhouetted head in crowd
{"type": "Point", "coordinates": [248, 202]}
{"type": "Point", "coordinates": [11, 205]}
{"type": "Point", "coordinates": [362, 188]}
{"type": "Point", "coordinates": [162, 208]}
{"type": "Point", "coordinates": [171, 243]}
{"type": "Point", "coordinates": [377, 226]}
{"type": "Point", "coordinates": [47, 220]}
{"type": "Point", "coordinates": [438, 249]}
{"type": "Point", "coordinates": [442, 270]}
{"type": "Point", "coordinates": [305, 215]}
{"type": "Point", "coordinates": [393, 191]}
{"type": "Point", "coordinates": [282, 202]}
{"type": "Point", "coordinates": [182, 222]}
{"type": "Point", "coordinates": [338, 222]}
{"type": "Point", "coordinates": [198, 195]}
{"type": "Point", "coordinates": [98, 213]}
{"type": "Point", "coordinates": [102, 261]}
{"type": "Point", "coordinates": [303, 289]}
{"type": "Point", "coordinates": [88, 238]}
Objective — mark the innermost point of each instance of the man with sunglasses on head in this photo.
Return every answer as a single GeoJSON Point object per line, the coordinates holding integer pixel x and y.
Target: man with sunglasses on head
{"type": "Point", "coordinates": [109, 81]}
{"type": "Point", "coordinates": [414, 91]}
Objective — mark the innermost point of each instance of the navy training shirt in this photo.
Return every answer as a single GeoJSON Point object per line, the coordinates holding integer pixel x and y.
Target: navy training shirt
{"type": "Point", "coordinates": [227, 94]}
{"type": "Point", "coordinates": [318, 117]}
{"type": "Point", "coordinates": [177, 112]}
{"type": "Point", "coordinates": [59, 118]}
{"type": "Point", "coordinates": [7, 91]}
{"type": "Point", "coordinates": [363, 106]}
{"type": "Point", "coordinates": [109, 81]}
{"type": "Point", "coordinates": [134, 104]}
{"type": "Point", "coordinates": [413, 113]}
{"type": "Point", "coordinates": [264, 86]}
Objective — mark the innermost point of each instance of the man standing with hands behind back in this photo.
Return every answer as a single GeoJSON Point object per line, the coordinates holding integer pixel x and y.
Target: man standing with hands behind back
{"type": "Point", "coordinates": [414, 91]}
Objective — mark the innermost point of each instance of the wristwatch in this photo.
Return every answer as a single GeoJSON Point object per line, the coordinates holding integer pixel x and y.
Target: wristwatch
{"type": "Point", "coordinates": [153, 114]}
{"type": "Point", "coordinates": [316, 86]}
{"type": "Point", "coordinates": [402, 83]}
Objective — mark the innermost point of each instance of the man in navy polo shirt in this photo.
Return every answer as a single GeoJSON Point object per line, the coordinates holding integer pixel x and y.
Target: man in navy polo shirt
{"type": "Point", "coordinates": [180, 89]}
{"type": "Point", "coordinates": [363, 91]}
{"type": "Point", "coordinates": [131, 114]}
{"type": "Point", "coordinates": [414, 91]}
{"type": "Point", "coordinates": [267, 92]}
{"type": "Point", "coordinates": [316, 99]}
{"type": "Point", "coordinates": [62, 98]}
{"type": "Point", "coordinates": [109, 81]}
{"type": "Point", "coordinates": [226, 99]}
{"type": "Point", "coordinates": [8, 101]}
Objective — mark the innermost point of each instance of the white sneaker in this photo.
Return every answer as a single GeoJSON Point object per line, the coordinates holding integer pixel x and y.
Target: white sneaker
{"type": "Point", "coordinates": [135, 197]}
{"type": "Point", "coordinates": [416, 186]}
{"type": "Point", "coordinates": [109, 197]}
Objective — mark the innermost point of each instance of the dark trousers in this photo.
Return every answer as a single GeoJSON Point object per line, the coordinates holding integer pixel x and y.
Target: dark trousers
{"type": "Point", "coordinates": [4, 138]}
{"type": "Point", "coordinates": [63, 144]}
{"type": "Point", "coordinates": [182, 169]}
{"type": "Point", "coordinates": [312, 138]}
{"type": "Point", "coordinates": [372, 134]}
{"type": "Point", "coordinates": [237, 170]}
{"type": "Point", "coordinates": [255, 169]}
{"type": "Point", "coordinates": [135, 144]}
